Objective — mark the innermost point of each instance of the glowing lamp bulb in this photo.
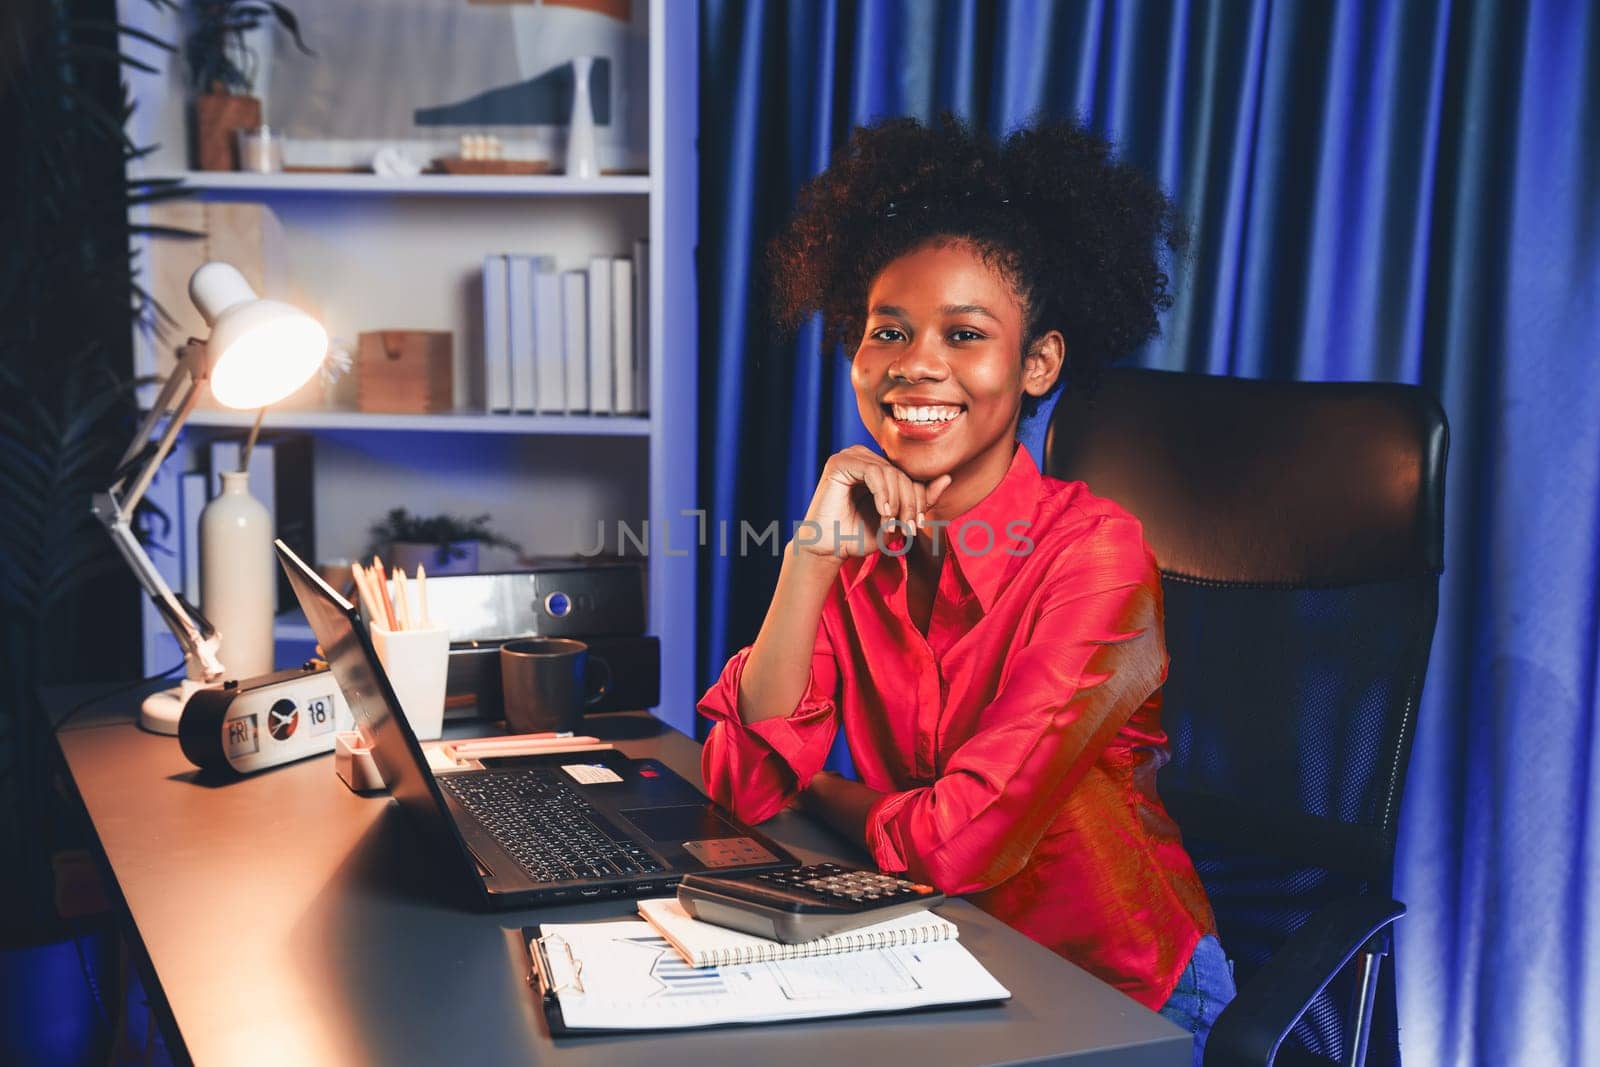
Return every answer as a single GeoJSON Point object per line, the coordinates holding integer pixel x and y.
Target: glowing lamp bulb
{"type": "Point", "coordinates": [260, 350]}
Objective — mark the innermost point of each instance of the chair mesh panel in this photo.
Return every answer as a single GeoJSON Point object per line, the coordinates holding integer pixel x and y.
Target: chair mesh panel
{"type": "Point", "coordinates": [1293, 701]}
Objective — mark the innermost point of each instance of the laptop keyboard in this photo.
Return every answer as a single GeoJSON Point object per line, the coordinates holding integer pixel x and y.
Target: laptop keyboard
{"type": "Point", "coordinates": [548, 827]}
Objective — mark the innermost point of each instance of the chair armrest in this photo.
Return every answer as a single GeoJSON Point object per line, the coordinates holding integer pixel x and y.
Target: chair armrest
{"type": "Point", "coordinates": [1250, 1028]}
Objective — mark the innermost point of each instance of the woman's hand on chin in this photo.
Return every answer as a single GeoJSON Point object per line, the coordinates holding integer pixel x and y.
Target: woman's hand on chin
{"type": "Point", "coordinates": [859, 492]}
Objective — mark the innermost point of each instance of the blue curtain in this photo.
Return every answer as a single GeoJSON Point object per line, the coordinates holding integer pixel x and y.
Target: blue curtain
{"type": "Point", "coordinates": [1405, 191]}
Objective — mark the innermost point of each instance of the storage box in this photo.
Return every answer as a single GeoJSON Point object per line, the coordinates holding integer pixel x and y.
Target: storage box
{"type": "Point", "coordinates": [405, 371]}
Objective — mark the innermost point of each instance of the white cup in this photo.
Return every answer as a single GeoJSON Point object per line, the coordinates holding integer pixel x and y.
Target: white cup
{"type": "Point", "coordinates": [417, 662]}
{"type": "Point", "coordinates": [260, 150]}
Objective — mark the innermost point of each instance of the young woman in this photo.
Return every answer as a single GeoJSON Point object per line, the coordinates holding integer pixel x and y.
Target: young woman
{"type": "Point", "coordinates": [990, 640]}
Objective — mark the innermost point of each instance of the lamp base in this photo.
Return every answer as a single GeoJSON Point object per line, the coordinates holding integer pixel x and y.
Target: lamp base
{"type": "Point", "coordinates": [161, 712]}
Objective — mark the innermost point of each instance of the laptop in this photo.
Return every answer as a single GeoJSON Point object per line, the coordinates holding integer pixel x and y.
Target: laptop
{"type": "Point", "coordinates": [547, 829]}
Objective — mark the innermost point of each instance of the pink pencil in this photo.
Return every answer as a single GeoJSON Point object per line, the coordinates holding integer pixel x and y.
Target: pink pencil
{"type": "Point", "coordinates": [504, 744]}
{"type": "Point", "coordinates": [364, 592]}
{"type": "Point", "coordinates": [383, 592]}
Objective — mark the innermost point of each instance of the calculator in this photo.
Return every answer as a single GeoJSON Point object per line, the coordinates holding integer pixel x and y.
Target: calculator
{"type": "Point", "coordinates": [802, 903]}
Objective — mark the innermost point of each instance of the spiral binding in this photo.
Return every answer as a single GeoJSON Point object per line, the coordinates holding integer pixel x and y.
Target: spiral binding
{"type": "Point", "coordinates": [738, 955]}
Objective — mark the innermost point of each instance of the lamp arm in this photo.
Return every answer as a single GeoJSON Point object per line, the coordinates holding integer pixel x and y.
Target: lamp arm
{"type": "Point", "coordinates": [183, 371]}
{"type": "Point", "coordinates": [126, 503]}
{"type": "Point", "coordinates": [115, 510]}
{"type": "Point", "coordinates": [195, 634]}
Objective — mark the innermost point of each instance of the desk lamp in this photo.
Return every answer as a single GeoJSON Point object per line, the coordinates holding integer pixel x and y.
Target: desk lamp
{"type": "Point", "coordinates": [259, 352]}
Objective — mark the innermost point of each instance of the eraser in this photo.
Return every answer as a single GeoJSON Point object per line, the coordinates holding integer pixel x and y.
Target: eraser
{"type": "Point", "coordinates": [352, 761]}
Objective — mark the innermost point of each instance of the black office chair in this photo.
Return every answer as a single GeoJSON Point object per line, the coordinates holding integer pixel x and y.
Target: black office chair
{"type": "Point", "coordinates": [1299, 528]}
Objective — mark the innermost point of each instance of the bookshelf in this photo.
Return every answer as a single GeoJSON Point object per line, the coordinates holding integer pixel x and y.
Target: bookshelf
{"type": "Point", "coordinates": [366, 252]}
{"type": "Point", "coordinates": [454, 422]}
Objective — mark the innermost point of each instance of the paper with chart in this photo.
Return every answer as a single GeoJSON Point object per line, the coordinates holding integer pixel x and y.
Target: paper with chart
{"type": "Point", "coordinates": [625, 976]}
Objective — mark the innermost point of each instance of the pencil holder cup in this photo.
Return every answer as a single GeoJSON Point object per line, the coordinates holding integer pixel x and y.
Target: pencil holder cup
{"type": "Point", "coordinates": [416, 662]}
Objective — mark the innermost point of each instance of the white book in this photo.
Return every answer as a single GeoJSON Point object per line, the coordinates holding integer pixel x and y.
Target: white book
{"type": "Point", "coordinates": [622, 341]}
{"type": "Point", "coordinates": [575, 337]}
{"type": "Point", "coordinates": [641, 324]}
{"type": "Point", "coordinates": [520, 302]}
{"type": "Point", "coordinates": [624, 976]}
{"type": "Point", "coordinates": [496, 335]}
{"type": "Point", "coordinates": [161, 649]}
{"type": "Point", "coordinates": [193, 497]}
{"type": "Point", "coordinates": [602, 398]}
{"type": "Point", "coordinates": [549, 356]}
{"type": "Point", "coordinates": [702, 944]}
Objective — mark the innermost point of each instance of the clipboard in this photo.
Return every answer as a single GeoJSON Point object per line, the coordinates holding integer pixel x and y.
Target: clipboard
{"type": "Point", "coordinates": [940, 975]}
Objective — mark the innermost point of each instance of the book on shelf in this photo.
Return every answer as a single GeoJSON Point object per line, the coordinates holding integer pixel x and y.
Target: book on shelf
{"type": "Point", "coordinates": [641, 324]}
{"type": "Point", "coordinates": [162, 540]}
{"type": "Point", "coordinates": [622, 308]}
{"type": "Point", "coordinates": [567, 342]}
{"type": "Point", "coordinates": [519, 301]}
{"type": "Point", "coordinates": [548, 355]}
{"type": "Point", "coordinates": [602, 396]}
{"type": "Point", "coordinates": [496, 334]}
{"type": "Point", "coordinates": [193, 495]}
{"type": "Point", "coordinates": [703, 944]}
{"type": "Point", "coordinates": [575, 337]}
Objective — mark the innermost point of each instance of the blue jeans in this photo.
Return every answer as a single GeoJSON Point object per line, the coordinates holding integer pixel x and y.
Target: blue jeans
{"type": "Point", "coordinates": [1204, 989]}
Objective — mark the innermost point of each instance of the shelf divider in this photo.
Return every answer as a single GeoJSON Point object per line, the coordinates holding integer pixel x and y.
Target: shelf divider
{"type": "Point", "coordinates": [454, 422]}
{"type": "Point", "coordinates": [422, 185]}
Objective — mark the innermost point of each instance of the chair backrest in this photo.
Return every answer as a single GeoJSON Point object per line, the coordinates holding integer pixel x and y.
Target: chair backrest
{"type": "Point", "coordinates": [1299, 531]}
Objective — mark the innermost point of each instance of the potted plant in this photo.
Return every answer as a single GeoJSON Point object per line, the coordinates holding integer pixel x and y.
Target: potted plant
{"type": "Point", "coordinates": [223, 69]}
{"type": "Point", "coordinates": [444, 544]}
{"type": "Point", "coordinates": [69, 293]}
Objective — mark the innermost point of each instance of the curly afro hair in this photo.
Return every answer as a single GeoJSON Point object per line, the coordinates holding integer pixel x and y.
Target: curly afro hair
{"type": "Point", "coordinates": [1078, 235]}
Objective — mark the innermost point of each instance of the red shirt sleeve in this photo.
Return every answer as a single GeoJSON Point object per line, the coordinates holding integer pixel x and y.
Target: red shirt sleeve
{"type": "Point", "coordinates": [754, 769]}
{"type": "Point", "coordinates": [1095, 654]}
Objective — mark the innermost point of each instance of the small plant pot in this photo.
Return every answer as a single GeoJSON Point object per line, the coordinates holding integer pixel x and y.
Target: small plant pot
{"type": "Point", "coordinates": [458, 558]}
{"type": "Point", "coordinates": [216, 117]}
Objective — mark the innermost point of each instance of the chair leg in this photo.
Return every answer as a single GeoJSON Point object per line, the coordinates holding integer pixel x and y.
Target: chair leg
{"type": "Point", "coordinates": [1366, 998]}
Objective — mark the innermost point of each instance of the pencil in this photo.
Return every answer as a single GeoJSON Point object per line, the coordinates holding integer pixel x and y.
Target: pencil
{"type": "Point", "coordinates": [382, 590]}
{"type": "Point", "coordinates": [375, 596]}
{"type": "Point", "coordinates": [355, 580]}
{"type": "Point", "coordinates": [402, 600]}
{"type": "Point", "coordinates": [422, 599]}
{"type": "Point", "coordinates": [364, 592]}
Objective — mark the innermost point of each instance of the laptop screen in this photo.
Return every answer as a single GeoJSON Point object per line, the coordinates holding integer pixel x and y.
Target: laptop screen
{"type": "Point", "coordinates": [343, 637]}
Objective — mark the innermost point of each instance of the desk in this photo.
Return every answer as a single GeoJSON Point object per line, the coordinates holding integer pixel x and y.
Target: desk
{"type": "Point", "coordinates": [287, 920]}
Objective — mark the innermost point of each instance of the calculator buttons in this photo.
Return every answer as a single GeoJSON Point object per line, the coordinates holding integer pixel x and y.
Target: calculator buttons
{"type": "Point", "coordinates": [802, 903]}
{"type": "Point", "coordinates": [825, 881]}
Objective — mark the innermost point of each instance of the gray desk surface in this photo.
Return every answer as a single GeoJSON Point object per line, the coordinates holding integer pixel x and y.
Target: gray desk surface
{"type": "Point", "coordinates": [288, 920]}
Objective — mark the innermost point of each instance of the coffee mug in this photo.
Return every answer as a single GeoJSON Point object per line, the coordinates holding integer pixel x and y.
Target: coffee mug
{"type": "Point", "coordinates": [546, 684]}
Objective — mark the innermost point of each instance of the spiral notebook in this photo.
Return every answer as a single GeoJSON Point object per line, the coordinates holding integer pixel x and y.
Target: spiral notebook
{"type": "Point", "coordinates": [702, 944]}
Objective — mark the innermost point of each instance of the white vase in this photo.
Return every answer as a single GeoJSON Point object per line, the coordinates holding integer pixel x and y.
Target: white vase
{"type": "Point", "coordinates": [237, 588]}
{"type": "Point", "coordinates": [581, 159]}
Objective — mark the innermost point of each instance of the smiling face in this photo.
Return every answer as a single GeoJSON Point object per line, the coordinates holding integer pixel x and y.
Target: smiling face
{"type": "Point", "coordinates": [940, 373]}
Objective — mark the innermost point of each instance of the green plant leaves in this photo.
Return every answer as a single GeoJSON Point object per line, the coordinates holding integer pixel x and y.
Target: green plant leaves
{"type": "Point", "coordinates": [442, 530]}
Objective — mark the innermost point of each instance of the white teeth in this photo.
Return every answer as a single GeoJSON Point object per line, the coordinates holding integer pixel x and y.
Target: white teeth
{"type": "Point", "coordinates": [939, 413]}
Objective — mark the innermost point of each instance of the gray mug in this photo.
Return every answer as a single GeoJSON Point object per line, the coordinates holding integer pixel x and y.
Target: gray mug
{"type": "Point", "coordinates": [546, 684]}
